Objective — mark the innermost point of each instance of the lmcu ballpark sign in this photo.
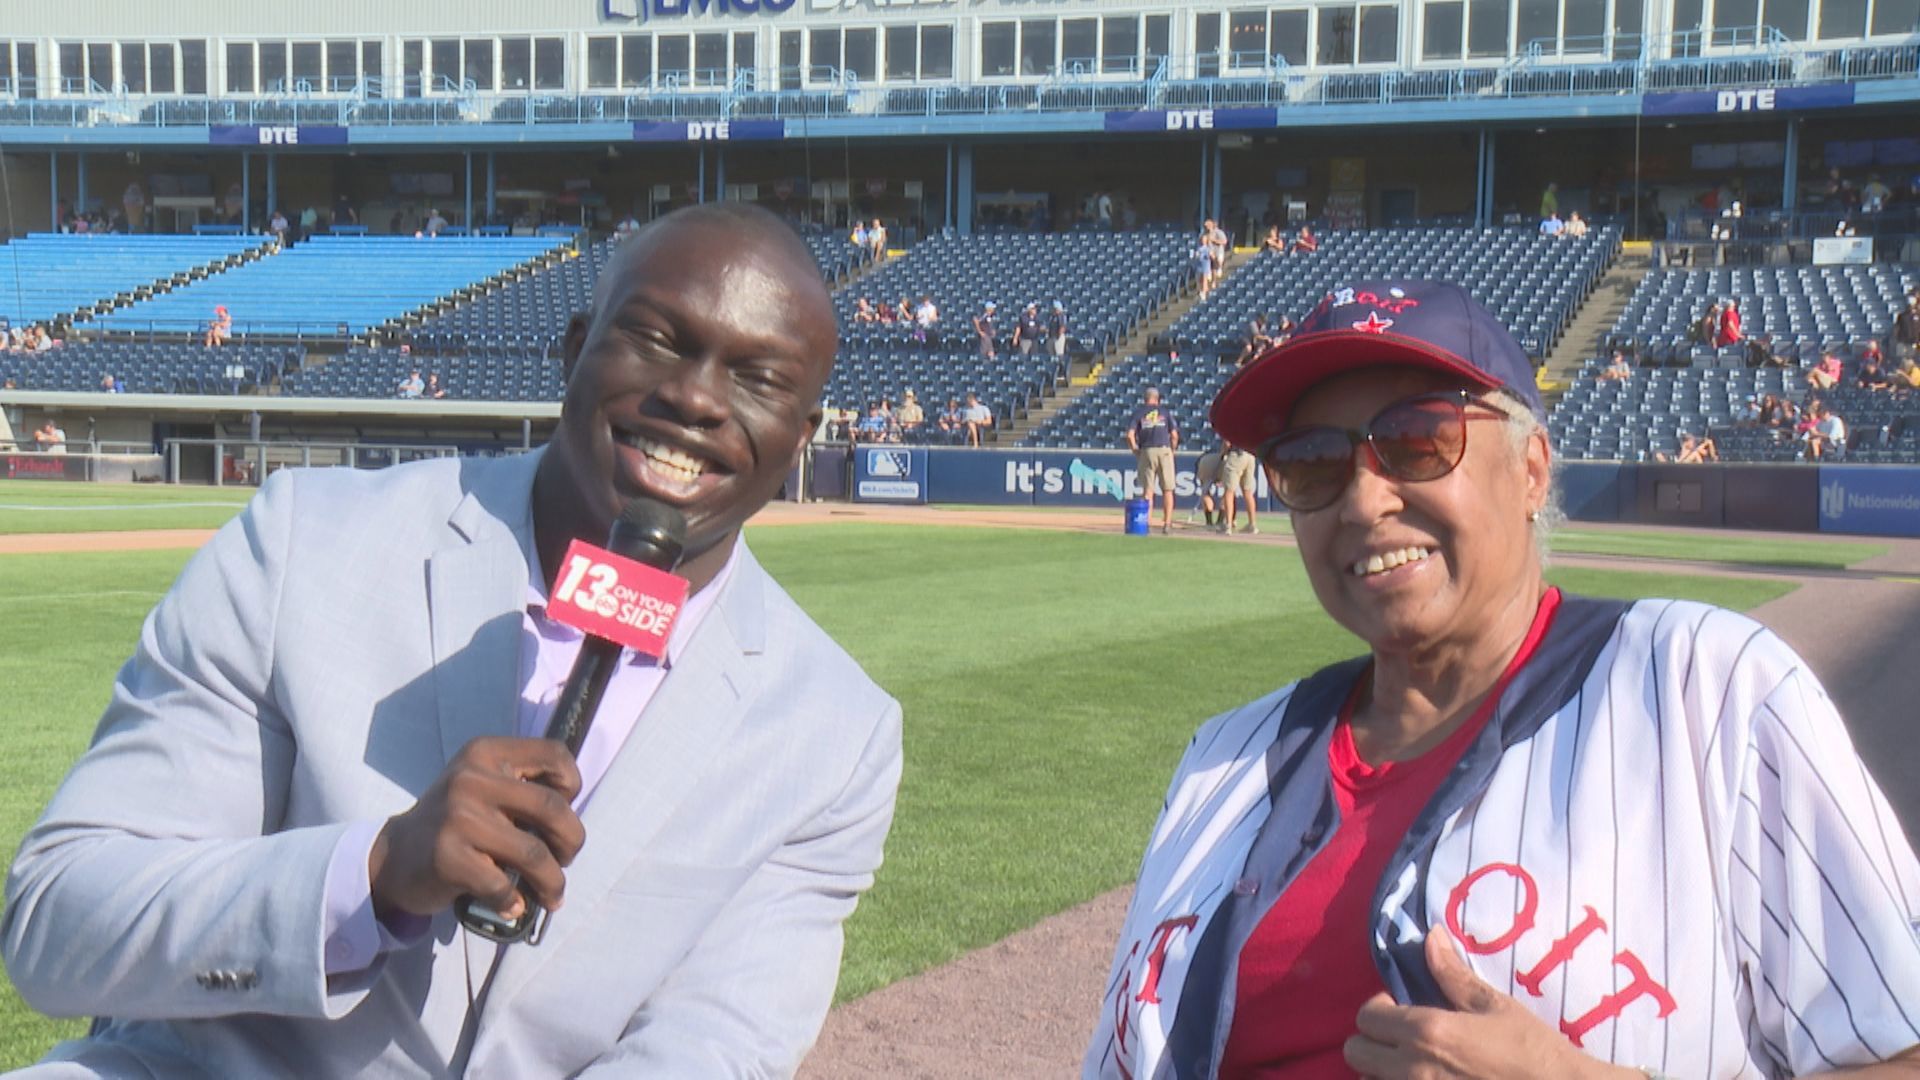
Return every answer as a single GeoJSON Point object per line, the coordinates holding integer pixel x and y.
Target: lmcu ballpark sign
{"type": "Point", "coordinates": [1724, 102]}
{"type": "Point", "coordinates": [648, 10]}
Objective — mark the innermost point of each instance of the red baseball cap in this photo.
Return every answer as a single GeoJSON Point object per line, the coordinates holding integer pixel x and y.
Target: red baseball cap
{"type": "Point", "coordinates": [1425, 324]}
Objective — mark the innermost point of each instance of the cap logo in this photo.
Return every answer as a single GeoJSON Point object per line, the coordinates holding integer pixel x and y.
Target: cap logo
{"type": "Point", "coordinates": [1396, 300]}
{"type": "Point", "coordinates": [1373, 324]}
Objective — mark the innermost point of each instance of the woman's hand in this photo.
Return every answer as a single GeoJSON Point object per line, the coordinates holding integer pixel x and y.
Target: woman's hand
{"type": "Point", "coordinates": [1487, 1036]}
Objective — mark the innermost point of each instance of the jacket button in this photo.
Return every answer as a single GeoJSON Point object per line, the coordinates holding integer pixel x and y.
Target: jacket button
{"type": "Point", "coordinates": [1246, 886]}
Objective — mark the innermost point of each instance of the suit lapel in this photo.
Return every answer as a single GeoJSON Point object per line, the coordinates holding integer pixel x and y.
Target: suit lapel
{"type": "Point", "coordinates": [697, 709]}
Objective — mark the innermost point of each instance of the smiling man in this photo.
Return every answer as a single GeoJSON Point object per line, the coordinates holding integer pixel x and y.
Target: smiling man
{"type": "Point", "coordinates": [324, 738]}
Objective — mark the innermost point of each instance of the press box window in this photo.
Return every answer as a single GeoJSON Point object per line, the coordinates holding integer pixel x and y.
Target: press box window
{"type": "Point", "coordinates": [903, 53]}
{"type": "Point", "coordinates": [936, 52]}
{"type": "Point", "coordinates": [997, 49]}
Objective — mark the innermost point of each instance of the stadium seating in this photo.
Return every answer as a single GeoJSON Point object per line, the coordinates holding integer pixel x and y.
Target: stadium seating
{"type": "Point", "coordinates": [1800, 306]}
{"type": "Point", "coordinates": [485, 374]}
{"type": "Point", "coordinates": [1098, 419]}
{"type": "Point", "coordinates": [1533, 283]}
{"type": "Point", "coordinates": [333, 284]}
{"type": "Point", "coordinates": [150, 367]}
{"type": "Point", "coordinates": [1108, 282]}
{"type": "Point", "coordinates": [50, 275]}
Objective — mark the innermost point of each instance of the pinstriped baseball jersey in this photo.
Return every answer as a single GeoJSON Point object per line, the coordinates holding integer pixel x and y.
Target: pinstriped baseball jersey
{"type": "Point", "coordinates": [1663, 846]}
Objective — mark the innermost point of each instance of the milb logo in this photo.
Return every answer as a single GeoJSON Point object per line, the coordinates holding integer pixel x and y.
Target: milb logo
{"type": "Point", "coordinates": [897, 464]}
{"type": "Point", "coordinates": [1833, 500]}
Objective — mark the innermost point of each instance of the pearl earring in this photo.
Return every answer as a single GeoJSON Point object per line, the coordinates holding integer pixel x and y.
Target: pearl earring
{"type": "Point", "coordinates": [1533, 515]}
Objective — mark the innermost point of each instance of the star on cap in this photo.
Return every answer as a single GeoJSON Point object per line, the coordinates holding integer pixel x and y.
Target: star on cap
{"type": "Point", "coordinates": [1374, 324]}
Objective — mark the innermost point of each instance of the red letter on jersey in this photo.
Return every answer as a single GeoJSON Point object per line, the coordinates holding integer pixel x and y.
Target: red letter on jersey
{"type": "Point", "coordinates": [1561, 952]}
{"type": "Point", "coordinates": [1157, 957]}
{"type": "Point", "coordinates": [1612, 1005]}
{"type": "Point", "coordinates": [1522, 919]}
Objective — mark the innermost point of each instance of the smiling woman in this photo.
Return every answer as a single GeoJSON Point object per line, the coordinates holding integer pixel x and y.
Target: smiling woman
{"type": "Point", "coordinates": [1462, 854]}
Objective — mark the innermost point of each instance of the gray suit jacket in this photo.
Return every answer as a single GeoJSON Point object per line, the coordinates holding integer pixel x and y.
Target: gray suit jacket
{"type": "Point", "coordinates": [318, 663]}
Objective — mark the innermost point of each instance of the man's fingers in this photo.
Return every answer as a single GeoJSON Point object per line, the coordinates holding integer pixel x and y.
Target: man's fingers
{"type": "Point", "coordinates": [1456, 980]}
{"type": "Point", "coordinates": [1385, 1021]}
{"type": "Point", "coordinates": [521, 852]}
{"type": "Point", "coordinates": [543, 811]}
{"type": "Point", "coordinates": [1374, 1059]}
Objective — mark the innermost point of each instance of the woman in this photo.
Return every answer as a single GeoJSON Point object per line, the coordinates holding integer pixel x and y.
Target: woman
{"type": "Point", "coordinates": [1306, 243]}
{"type": "Point", "coordinates": [1273, 241]}
{"type": "Point", "coordinates": [1826, 374]}
{"type": "Point", "coordinates": [221, 328]}
{"type": "Point", "coordinates": [1528, 835]}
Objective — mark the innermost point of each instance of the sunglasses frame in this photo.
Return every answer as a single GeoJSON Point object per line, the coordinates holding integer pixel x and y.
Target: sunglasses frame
{"type": "Point", "coordinates": [1461, 400]}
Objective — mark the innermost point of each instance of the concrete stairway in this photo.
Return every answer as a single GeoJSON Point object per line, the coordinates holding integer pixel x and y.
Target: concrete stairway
{"type": "Point", "coordinates": [1086, 374]}
{"type": "Point", "coordinates": [1588, 332]}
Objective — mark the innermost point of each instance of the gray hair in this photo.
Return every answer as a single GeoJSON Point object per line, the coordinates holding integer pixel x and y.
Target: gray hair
{"type": "Point", "coordinates": [1521, 426]}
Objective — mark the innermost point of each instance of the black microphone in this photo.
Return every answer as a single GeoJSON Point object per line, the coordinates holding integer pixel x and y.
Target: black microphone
{"type": "Point", "coordinates": [648, 532]}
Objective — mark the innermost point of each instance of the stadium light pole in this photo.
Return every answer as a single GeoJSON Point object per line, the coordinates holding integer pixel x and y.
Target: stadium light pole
{"type": "Point", "coordinates": [1633, 226]}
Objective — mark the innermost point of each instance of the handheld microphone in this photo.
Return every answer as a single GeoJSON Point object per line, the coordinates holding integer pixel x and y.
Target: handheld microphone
{"type": "Point", "coordinates": [591, 595]}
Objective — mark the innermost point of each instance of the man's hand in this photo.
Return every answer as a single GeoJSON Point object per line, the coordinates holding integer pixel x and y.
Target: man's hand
{"type": "Point", "coordinates": [1488, 1036]}
{"type": "Point", "coordinates": [501, 805]}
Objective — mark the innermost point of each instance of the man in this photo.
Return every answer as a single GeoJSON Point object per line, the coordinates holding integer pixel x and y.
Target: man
{"type": "Point", "coordinates": [312, 752]}
{"type": "Point", "coordinates": [1255, 342]}
{"type": "Point", "coordinates": [926, 317]}
{"type": "Point", "coordinates": [877, 240]}
{"type": "Point", "coordinates": [1550, 201]}
{"type": "Point", "coordinates": [1903, 341]}
{"type": "Point", "coordinates": [951, 425]}
{"type": "Point", "coordinates": [1241, 482]}
{"type": "Point", "coordinates": [1552, 225]}
{"type": "Point", "coordinates": [1206, 478]}
{"type": "Point", "coordinates": [1576, 226]}
{"type": "Point", "coordinates": [1730, 333]}
{"type": "Point", "coordinates": [435, 222]}
{"type": "Point", "coordinates": [1827, 440]}
{"type": "Point", "coordinates": [1057, 331]}
{"type": "Point", "coordinates": [974, 419]}
{"type": "Point", "coordinates": [1026, 332]}
{"type": "Point", "coordinates": [1154, 436]}
{"type": "Point", "coordinates": [411, 387]}
{"type": "Point", "coordinates": [874, 426]}
{"type": "Point", "coordinates": [50, 438]}
{"type": "Point", "coordinates": [983, 329]}
{"type": "Point", "coordinates": [911, 418]}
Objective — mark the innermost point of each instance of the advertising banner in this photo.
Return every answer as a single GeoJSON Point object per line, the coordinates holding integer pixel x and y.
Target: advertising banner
{"type": "Point", "coordinates": [1151, 120]}
{"type": "Point", "coordinates": [44, 466]}
{"type": "Point", "coordinates": [277, 135]}
{"type": "Point", "coordinates": [1877, 500]}
{"type": "Point", "coordinates": [708, 130]}
{"type": "Point", "coordinates": [893, 474]}
{"type": "Point", "coordinates": [1053, 478]}
{"type": "Point", "coordinates": [1721, 102]}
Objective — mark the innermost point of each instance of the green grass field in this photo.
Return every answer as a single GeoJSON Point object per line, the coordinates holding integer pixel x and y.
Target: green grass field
{"type": "Point", "coordinates": [29, 506]}
{"type": "Point", "coordinates": [1049, 679]}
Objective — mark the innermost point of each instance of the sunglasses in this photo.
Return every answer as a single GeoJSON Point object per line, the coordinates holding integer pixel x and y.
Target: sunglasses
{"type": "Point", "coordinates": [1421, 438]}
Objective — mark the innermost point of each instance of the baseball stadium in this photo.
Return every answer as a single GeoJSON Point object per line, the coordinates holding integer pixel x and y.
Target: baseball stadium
{"type": "Point", "coordinates": [247, 239]}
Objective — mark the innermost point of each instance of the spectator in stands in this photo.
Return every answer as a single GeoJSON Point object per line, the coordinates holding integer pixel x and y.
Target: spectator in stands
{"type": "Point", "coordinates": [50, 438]}
{"type": "Point", "coordinates": [926, 318]}
{"type": "Point", "coordinates": [1908, 376]}
{"type": "Point", "coordinates": [309, 221]}
{"type": "Point", "coordinates": [1057, 330]}
{"type": "Point", "coordinates": [1838, 192]}
{"type": "Point", "coordinates": [1103, 211]}
{"type": "Point", "coordinates": [221, 328]}
{"type": "Point", "coordinates": [108, 385]}
{"type": "Point", "coordinates": [411, 387]}
{"type": "Point", "coordinates": [1239, 477]}
{"type": "Point", "coordinates": [38, 340]}
{"type": "Point", "coordinates": [1153, 436]}
{"type": "Point", "coordinates": [903, 312]}
{"type": "Point", "coordinates": [1707, 326]}
{"type": "Point", "coordinates": [434, 389]}
{"type": "Point", "coordinates": [858, 238]}
{"type": "Point", "coordinates": [974, 419]}
{"type": "Point", "coordinates": [1760, 352]}
{"type": "Point", "coordinates": [1827, 439]}
{"type": "Point", "coordinates": [949, 422]}
{"type": "Point", "coordinates": [278, 227]}
{"type": "Point", "coordinates": [1873, 376]}
{"type": "Point", "coordinates": [1576, 225]}
{"type": "Point", "coordinates": [863, 311]}
{"type": "Point", "coordinates": [1617, 369]}
{"type": "Point", "coordinates": [1550, 201]}
{"type": "Point", "coordinates": [1697, 451]}
{"type": "Point", "coordinates": [1217, 244]}
{"type": "Point", "coordinates": [911, 418]}
{"type": "Point", "coordinates": [877, 240]}
{"type": "Point", "coordinates": [1256, 341]}
{"type": "Point", "coordinates": [435, 222]}
{"type": "Point", "coordinates": [1201, 260]}
{"type": "Point", "coordinates": [1826, 374]}
{"type": "Point", "coordinates": [1903, 341]}
{"type": "Point", "coordinates": [1306, 243]}
{"type": "Point", "coordinates": [1729, 331]}
{"type": "Point", "coordinates": [1551, 225]}
{"type": "Point", "coordinates": [873, 427]}
{"type": "Point", "coordinates": [1874, 196]}
{"type": "Point", "coordinates": [1027, 330]}
{"type": "Point", "coordinates": [1772, 415]}
{"type": "Point", "coordinates": [1274, 242]}
{"type": "Point", "coordinates": [983, 329]}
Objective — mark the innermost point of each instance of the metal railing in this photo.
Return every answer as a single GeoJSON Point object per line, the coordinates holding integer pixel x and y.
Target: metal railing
{"type": "Point", "coordinates": [247, 461]}
{"type": "Point", "coordinates": [1627, 64]}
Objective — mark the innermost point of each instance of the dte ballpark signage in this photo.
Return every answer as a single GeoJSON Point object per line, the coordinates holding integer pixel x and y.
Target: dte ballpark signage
{"type": "Point", "coordinates": [643, 11]}
{"type": "Point", "coordinates": [1150, 120]}
{"type": "Point", "coordinates": [1719, 102]}
{"type": "Point", "coordinates": [708, 130]}
{"type": "Point", "coordinates": [276, 135]}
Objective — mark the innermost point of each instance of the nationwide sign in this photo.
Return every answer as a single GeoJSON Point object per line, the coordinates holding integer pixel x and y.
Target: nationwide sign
{"type": "Point", "coordinates": [270, 135]}
{"type": "Point", "coordinates": [708, 130]}
{"type": "Point", "coordinates": [1145, 120]}
{"type": "Point", "coordinates": [1727, 102]}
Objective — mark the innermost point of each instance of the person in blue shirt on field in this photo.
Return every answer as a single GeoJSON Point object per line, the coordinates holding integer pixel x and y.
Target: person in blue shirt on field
{"type": "Point", "coordinates": [1154, 435]}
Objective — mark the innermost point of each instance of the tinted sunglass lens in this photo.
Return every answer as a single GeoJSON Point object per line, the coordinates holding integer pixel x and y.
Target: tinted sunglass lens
{"type": "Point", "coordinates": [1420, 440]}
{"type": "Point", "coordinates": [1313, 469]}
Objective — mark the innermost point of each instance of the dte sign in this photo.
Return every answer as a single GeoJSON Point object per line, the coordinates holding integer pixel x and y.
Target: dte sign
{"type": "Point", "coordinates": [708, 130]}
{"type": "Point", "coordinates": [1744, 101]}
{"type": "Point", "coordinates": [279, 136]}
{"type": "Point", "coordinates": [1189, 119]}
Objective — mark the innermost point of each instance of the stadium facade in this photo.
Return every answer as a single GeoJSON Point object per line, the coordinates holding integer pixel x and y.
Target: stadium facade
{"type": "Point", "coordinates": [940, 113]}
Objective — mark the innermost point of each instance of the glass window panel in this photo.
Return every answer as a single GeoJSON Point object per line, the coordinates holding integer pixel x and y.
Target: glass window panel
{"type": "Point", "coordinates": [996, 48]}
{"type": "Point", "coordinates": [1629, 25]}
{"type": "Point", "coordinates": [903, 53]}
{"type": "Point", "coordinates": [371, 69]}
{"type": "Point", "coordinates": [446, 63]}
{"type": "Point", "coordinates": [1896, 16]}
{"type": "Point", "coordinates": [1038, 43]}
{"type": "Point", "coordinates": [193, 67]}
{"type": "Point", "coordinates": [710, 59]}
{"type": "Point", "coordinates": [1689, 19]}
{"type": "Point", "coordinates": [273, 67]}
{"type": "Point", "coordinates": [100, 63]}
{"type": "Point", "coordinates": [1120, 44]}
{"type": "Point", "coordinates": [636, 60]}
{"type": "Point", "coordinates": [306, 65]}
{"type": "Point", "coordinates": [343, 65]}
{"type": "Point", "coordinates": [1538, 25]}
{"type": "Point", "coordinates": [1287, 36]}
{"type": "Point", "coordinates": [549, 64]}
{"type": "Point", "coordinates": [676, 58]}
{"type": "Point", "coordinates": [413, 67]}
{"type": "Point", "coordinates": [73, 65]}
{"type": "Point", "coordinates": [1787, 16]}
{"type": "Point", "coordinates": [1843, 18]}
{"type": "Point", "coordinates": [516, 63]}
{"type": "Point", "coordinates": [477, 64]}
{"type": "Point", "coordinates": [1159, 41]}
{"type": "Point", "coordinates": [1080, 45]}
{"type": "Point", "coordinates": [791, 65]}
{"type": "Point", "coordinates": [133, 67]}
{"type": "Point", "coordinates": [743, 50]}
{"type": "Point", "coordinates": [1247, 39]}
{"type": "Point", "coordinates": [1585, 26]}
{"type": "Point", "coordinates": [1206, 44]}
{"type": "Point", "coordinates": [936, 51]}
{"type": "Point", "coordinates": [823, 53]}
{"type": "Point", "coordinates": [1441, 32]}
{"type": "Point", "coordinates": [1336, 35]}
{"type": "Point", "coordinates": [1486, 28]}
{"type": "Point", "coordinates": [603, 63]}
{"type": "Point", "coordinates": [1379, 34]}
{"type": "Point", "coordinates": [6, 66]}
{"type": "Point", "coordinates": [1734, 20]}
{"type": "Point", "coordinates": [863, 53]}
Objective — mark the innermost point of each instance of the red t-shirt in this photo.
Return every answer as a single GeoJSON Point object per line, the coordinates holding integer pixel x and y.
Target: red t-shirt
{"type": "Point", "coordinates": [1308, 967]}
